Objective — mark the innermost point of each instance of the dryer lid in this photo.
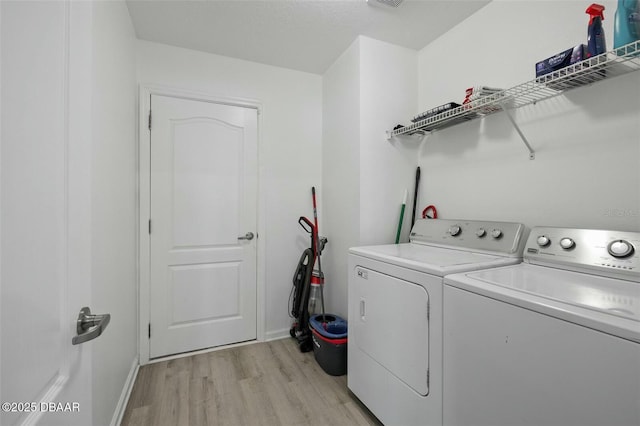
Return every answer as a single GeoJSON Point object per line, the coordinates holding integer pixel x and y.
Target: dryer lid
{"type": "Point", "coordinates": [437, 261]}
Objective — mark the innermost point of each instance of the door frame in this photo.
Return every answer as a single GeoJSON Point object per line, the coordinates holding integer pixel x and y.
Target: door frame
{"type": "Point", "coordinates": [144, 205]}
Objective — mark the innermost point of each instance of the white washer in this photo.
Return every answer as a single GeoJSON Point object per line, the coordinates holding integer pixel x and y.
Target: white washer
{"type": "Point", "coordinates": [554, 340]}
{"type": "Point", "coordinates": [395, 312]}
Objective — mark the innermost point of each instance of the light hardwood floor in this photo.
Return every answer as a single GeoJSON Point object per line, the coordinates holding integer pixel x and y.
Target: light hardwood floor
{"type": "Point", "coordinates": [267, 383]}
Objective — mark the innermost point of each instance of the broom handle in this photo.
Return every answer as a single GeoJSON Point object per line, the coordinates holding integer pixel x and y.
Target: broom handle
{"type": "Point", "coordinates": [415, 197]}
{"type": "Point", "coordinates": [404, 203]}
{"type": "Point", "coordinates": [315, 220]}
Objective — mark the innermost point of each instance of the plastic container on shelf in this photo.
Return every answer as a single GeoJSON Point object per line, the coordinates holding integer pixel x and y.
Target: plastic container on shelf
{"type": "Point", "coordinates": [626, 25]}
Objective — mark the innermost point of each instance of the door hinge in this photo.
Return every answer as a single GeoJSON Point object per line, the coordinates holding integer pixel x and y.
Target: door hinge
{"type": "Point", "coordinates": [427, 379]}
{"type": "Point", "coordinates": [428, 311]}
{"type": "Point", "coordinates": [149, 226]}
{"type": "Point", "coordinates": [149, 330]}
{"type": "Point", "coordinates": [149, 119]}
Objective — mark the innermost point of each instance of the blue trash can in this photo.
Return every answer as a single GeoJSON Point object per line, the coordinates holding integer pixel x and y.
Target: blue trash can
{"type": "Point", "coordinates": [330, 343]}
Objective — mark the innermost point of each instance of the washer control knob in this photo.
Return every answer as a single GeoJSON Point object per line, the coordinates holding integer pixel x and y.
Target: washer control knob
{"type": "Point", "coordinates": [455, 230]}
{"type": "Point", "coordinates": [620, 248]}
{"type": "Point", "coordinates": [496, 233]}
{"type": "Point", "coordinates": [543, 241]}
{"type": "Point", "coordinates": [481, 232]}
{"type": "Point", "coordinates": [567, 243]}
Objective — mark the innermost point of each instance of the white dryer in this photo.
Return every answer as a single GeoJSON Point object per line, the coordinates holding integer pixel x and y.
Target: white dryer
{"type": "Point", "coordinates": [395, 312]}
{"type": "Point", "coordinates": [554, 340]}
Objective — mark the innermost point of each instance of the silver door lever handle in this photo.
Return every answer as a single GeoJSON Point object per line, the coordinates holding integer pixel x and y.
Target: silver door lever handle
{"type": "Point", "coordinates": [89, 326]}
{"type": "Point", "coordinates": [247, 236]}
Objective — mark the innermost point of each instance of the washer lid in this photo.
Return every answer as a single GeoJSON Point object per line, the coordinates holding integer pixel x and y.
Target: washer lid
{"type": "Point", "coordinates": [438, 261]}
{"type": "Point", "coordinates": [608, 304]}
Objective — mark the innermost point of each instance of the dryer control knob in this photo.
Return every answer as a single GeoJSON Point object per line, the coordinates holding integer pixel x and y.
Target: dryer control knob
{"type": "Point", "coordinates": [620, 248]}
{"type": "Point", "coordinates": [455, 230]}
{"type": "Point", "coordinates": [481, 232]}
{"type": "Point", "coordinates": [543, 241]}
{"type": "Point", "coordinates": [496, 233]}
{"type": "Point", "coordinates": [567, 243]}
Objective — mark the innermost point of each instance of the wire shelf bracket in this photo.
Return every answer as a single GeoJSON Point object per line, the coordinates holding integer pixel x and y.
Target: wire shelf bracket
{"type": "Point", "coordinates": [532, 154]}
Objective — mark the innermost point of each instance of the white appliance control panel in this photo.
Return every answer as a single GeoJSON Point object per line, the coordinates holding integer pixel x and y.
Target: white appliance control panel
{"type": "Point", "coordinates": [506, 238]}
{"type": "Point", "coordinates": [609, 253]}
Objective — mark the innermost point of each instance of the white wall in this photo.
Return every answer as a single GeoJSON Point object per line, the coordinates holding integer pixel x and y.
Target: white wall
{"type": "Point", "coordinates": [371, 85]}
{"type": "Point", "coordinates": [340, 172]}
{"type": "Point", "coordinates": [586, 172]}
{"type": "Point", "coordinates": [388, 95]}
{"type": "Point", "coordinates": [290, 153]}
{"type": "Point", "coordinates": [114, 201]}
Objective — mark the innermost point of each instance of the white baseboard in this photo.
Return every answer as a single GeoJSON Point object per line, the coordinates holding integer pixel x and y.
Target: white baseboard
{"type": "Point", "coordinates": [276, 334]}
{"type": "Point", "coordinates": [126, 393]}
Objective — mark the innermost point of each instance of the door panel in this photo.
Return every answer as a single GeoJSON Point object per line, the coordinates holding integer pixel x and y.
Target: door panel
{"type": "Point", "coordinates": [45, 274]}
{"type": "Point", "coordinates": [207, 177]}
{"type": "Point", "coordinates": [197, 279]}
{"type": "Point", "coordinates": [203, 197]}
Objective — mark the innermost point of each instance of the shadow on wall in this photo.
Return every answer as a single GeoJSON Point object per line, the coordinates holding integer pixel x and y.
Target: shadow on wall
{"type": "Point", "coordinates": [582, 109]}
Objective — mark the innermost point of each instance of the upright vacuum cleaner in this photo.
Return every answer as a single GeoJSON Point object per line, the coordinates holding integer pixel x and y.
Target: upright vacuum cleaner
{"type": "Point", "coordinates": [301, 290]}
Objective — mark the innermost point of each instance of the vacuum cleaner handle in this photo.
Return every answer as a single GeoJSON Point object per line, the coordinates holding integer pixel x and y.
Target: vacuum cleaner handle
{"type": "Point", "coordinates": [307, 225]}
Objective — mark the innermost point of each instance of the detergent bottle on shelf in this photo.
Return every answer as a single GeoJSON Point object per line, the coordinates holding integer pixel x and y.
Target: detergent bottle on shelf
{"type": "Point", "coordinates": [595, 39]}
{"type": "Point", "coordinates": [626, 27]}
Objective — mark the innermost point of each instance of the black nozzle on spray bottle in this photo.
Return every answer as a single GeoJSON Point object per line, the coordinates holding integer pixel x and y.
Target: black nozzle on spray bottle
{"type": "Point", "coordinates": [595, 33]}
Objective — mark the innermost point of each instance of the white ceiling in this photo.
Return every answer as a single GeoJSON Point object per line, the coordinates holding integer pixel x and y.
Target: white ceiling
{"type": "Point", "coordinates": [305, 35]}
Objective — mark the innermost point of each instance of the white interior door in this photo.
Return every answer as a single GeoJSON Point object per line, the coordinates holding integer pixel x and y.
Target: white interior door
{"type": "Point", "coordinates": [203, 201]}
{"type": "Point", "coordinates": [45, 216]}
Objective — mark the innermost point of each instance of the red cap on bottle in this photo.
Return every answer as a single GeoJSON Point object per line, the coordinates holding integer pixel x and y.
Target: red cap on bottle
{"type": "Point", "coordinates": [595, 10]}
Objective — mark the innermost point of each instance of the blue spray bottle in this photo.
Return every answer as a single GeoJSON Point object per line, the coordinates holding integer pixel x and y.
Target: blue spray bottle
{"type": "Point", "coordinates": [626, 27]}
{"type": "Point", "coordinates": [595, 33]}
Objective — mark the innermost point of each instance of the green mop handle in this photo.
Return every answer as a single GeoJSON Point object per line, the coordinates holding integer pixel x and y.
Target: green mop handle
{"type": "Point", "coordinates": [404, 203]}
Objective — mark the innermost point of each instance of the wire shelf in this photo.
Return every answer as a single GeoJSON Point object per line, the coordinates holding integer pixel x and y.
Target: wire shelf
{"type": "Point", "coordinates": [622, 60]}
